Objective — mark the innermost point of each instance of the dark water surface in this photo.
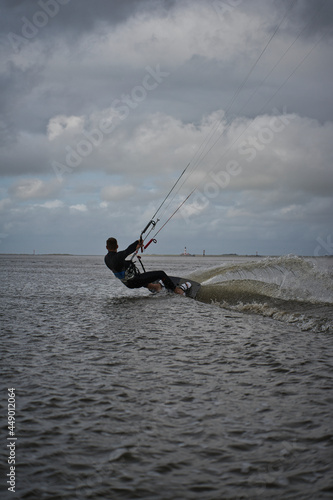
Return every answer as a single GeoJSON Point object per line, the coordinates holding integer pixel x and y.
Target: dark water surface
{"type": "Point", "coordinates": [123, 395]}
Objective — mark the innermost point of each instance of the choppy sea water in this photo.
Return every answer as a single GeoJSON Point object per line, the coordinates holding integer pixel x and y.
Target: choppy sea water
{"type": "Point", "coordinates": [121, 394]}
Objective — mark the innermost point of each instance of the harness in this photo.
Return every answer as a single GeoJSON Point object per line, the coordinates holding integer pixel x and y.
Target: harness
{"type": "Point", "coordinates": [128, 274]}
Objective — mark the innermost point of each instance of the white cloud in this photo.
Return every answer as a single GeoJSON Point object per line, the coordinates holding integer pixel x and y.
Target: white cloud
{"type": "Point", "coordinates": [271, 153]}
{"type": "Point", "coordinates": [61, 124]}
{"type": "Point", "coordinates": [117, 193]}
{"type": "Point", "coordinates": [32, 188]}
{"type": "Point", "coordinates": [79, 207]}
{"type": "Point", "coordinates": [54, 204]}
{"type": "Point", "coordinates": [176, 37]}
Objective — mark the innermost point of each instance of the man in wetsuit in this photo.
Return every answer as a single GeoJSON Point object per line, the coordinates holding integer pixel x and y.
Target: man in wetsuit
{"type": "Point", "coordinates": [126, 271]}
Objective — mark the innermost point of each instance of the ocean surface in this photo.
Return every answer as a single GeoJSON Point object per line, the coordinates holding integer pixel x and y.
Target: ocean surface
{"type": "Point", "coordinates": [122, 394]}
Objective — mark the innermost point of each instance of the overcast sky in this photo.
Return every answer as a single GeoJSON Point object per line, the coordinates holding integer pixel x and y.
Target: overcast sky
{"type": "Point", "coordinates": [104, 103]}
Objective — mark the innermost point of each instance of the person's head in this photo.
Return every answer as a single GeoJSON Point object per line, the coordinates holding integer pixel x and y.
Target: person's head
{"type": "Point", "coordinates": [111, 244]}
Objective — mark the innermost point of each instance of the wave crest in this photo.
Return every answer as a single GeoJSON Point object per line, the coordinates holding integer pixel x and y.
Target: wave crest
{"type": "Point", "coordinates": [288, 288]}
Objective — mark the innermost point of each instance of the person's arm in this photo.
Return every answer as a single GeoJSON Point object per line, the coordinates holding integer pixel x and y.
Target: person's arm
{"type": "Point", "coordinates": [140, 244]}
{"type": "Point", "coordinates": [121, 256]}
{"type": "Point", "coordinates": [131, 249]}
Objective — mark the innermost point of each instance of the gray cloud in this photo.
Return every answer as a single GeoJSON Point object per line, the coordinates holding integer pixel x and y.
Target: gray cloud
{"type": "Point", "coordinates": [315, 16]}
{"type": "Point", "coordinates": [71, 18]}
{"type": "Point", "coordinates": [79, 91]}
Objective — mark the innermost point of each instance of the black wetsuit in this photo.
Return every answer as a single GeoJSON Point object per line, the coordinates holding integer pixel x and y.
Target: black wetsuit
{"type": "Point", "coordinates": [126, 271]}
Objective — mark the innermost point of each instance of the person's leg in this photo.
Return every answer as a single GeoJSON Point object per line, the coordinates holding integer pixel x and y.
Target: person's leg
{"type": "Point", "coordinates": [146, 280]}
{"type": "Point", "coordinates": [154, 287]}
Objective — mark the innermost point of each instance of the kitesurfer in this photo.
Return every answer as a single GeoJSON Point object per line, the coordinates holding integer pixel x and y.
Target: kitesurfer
{"type": "Point", "coordinates": [127, 272]}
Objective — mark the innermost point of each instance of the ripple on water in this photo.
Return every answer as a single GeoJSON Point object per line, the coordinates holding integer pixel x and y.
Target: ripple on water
{"type": "Point", "coordinates": [161, 397]}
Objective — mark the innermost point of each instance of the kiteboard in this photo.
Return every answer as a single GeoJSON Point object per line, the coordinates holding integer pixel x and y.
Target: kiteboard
{"type": "Point", "coordinates": [177, 281]}
{"type": "Point", "coordinates": [191, 292]}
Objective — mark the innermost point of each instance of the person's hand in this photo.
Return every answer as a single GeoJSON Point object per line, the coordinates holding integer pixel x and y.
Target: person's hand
{"type": "Point", "coordinates": [140, 244]}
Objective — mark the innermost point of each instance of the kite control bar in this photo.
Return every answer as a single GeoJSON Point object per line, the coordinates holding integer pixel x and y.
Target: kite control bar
{"type": "Point", "coordinates": [150, 223]}
{"type": "Point", "coordinates": [149, 242]}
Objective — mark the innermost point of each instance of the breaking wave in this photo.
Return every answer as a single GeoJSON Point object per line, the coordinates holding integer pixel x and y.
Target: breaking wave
{"type": "Point", "coordinates": [290, 289]}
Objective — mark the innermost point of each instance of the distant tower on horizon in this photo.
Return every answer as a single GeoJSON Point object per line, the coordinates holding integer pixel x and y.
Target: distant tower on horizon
{"type": "Point", "coordinates": [186, 253]}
